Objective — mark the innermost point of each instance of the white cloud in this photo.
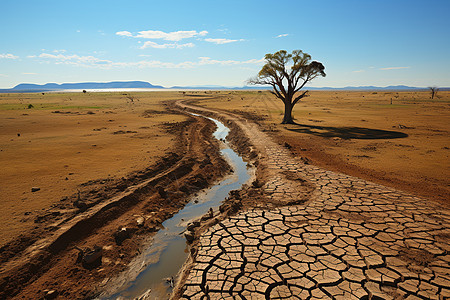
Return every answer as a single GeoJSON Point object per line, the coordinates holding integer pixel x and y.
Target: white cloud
{"type": "Point", "coordinates": [75, 59]}
{"type": "Point", "coordinates": [29, 73]}
{"type": "Point", "coordinates": [8, 56]}
{"type": "Point", "coordinates": [282, 35]}
{"type": "Point", "coordinates": [124, 33]}
{"type": "Point", "coordinates": [358, 71]}
{"type": "Point", "coordinates": [222, 41]}
{"type": "Point", "coordinates": [3, 75]}
{"type": "Point", "coordinates": [174, 36]}
{"type": "Point", "coordinates": [94, 62]}
{"type": "Point", "coordinates": [150, 44]}
{"type": "Point", "coordinates": [209, 61]}
{"type": "Point", "coordinates": [394, 68]}
{"type": "Point", "coordinates": [59, 51]}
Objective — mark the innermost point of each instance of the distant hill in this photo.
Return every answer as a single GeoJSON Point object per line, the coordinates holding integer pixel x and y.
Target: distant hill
{"type": "Point", "coordinates": [219, 87]}
{"type": "Point", "coordinates": [370, 88]}
{"type": "Point", "coordinates": [29, 87]}
{"type": "Point", "coordinates": [262, 87]}
{"type": "Point", "coordinates": [35, 88]}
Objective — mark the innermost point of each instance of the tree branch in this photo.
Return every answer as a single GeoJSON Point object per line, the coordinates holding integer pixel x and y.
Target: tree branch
{"type": "Point", "coordinates": [277, 93]}
{"type": "Point", "coordinates": [304, 94]}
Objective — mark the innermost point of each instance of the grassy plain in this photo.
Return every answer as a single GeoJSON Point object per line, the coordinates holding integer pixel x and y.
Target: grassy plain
{"type": "Point", "coordinates": [405, 144]}
{"type": "Point", "coordinates": [66, 139]}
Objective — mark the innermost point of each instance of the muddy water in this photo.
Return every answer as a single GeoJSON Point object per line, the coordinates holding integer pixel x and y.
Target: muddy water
{"type": "Point", "coordinates": [164, 258]}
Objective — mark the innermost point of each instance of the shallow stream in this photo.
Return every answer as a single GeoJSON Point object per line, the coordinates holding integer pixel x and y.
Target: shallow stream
{"type": "Point", "coordinates": [168, 251]}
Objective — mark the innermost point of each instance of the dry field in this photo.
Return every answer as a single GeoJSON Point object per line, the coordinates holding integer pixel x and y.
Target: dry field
{"type": "Point", "coordinates": [102, 143]}
{"type": "Point", "coordinates": [405, 144]}
{"type": "Point", "coordinates": [67, 139]}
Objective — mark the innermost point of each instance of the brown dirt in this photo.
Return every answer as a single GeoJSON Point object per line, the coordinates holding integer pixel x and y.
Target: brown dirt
{"type": "Point", "coordinates": [417, 163]}
{"type": "Point", "coordinates": [404, 145]}
{"type": "Point", "coordinates": [69, 140]}
{"type": "Point", "coordinates": [45, 258]}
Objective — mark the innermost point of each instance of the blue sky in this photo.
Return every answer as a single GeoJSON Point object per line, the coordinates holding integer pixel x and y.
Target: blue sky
{"type": "Point", "coordinates": [360, 42]}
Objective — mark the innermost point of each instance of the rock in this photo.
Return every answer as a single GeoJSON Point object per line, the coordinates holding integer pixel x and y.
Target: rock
{"type": "Point", "coordinates": [121, 234]}
{"type": "Point", "coordinates": [140, 221]}
{"type": "Point", "coordinates": [169, 281]}
{"type": "Point", "coordinates": [80, 205]}
{"type": "Point", "coordinates": [91, 256]}
{"type": "Point", "coordinates": [52, 294]}
{"type": "Point", "coordinates": [162, 192]}
{"type": "Point", "coordinates": [256, 184]}
{"type": "Point", "coordinates": [35, 189]}
{"type": "Point", "coordinates": [189, 236]}
{"type": "Point", "coordinates": [209, 215]}
{"type": "Point", "coordinates": [192, 225]}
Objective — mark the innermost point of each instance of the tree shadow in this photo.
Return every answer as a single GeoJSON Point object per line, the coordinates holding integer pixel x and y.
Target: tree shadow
{"type": "Point", "coordinates": [360, 133]}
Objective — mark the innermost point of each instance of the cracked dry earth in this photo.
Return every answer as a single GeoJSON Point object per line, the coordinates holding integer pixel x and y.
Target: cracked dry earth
{"type": "Point", "coordinates": [352, 239]}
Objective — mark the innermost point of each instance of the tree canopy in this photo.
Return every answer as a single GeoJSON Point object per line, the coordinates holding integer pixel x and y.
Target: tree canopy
{"type": "Point", "coordinates": [288, 73]}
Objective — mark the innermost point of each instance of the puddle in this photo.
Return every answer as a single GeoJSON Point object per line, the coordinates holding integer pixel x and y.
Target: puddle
{"type": "Point", "coordinates": [168, 251]}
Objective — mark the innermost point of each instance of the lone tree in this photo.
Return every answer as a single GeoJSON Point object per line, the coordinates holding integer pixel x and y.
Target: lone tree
{"type": "Point", "coordinates": [288, 73]}
{"type": "Point", "coordinates": [433, 91]}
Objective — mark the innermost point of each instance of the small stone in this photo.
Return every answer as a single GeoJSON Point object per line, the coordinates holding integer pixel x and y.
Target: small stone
{"type": "Point", "coordinates": [192, 225]}
{"type": "Point", "coordinates": [189, 236]}
{"type": "Point", "coordinates": [140, 221]}
{"type": "Point", "coordinates": [51, 294]}
{"type": "Point", "coordinates": [35, 189]}
{"type": "Point", "coordinates": [122, 234]}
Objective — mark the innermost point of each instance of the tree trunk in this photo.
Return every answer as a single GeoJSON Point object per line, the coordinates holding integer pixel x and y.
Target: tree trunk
{"type": "Point", "coordinates": [287, 119]}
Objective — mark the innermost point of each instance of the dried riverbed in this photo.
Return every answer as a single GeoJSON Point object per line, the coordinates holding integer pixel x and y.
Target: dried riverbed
{"type": "Point", "coordinates": [333, 236]}
{"type": "Point", "coordinates": [151, 274]}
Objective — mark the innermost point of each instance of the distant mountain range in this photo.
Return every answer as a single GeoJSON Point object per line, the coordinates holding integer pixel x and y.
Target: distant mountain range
{"type": "Point", "coordinates": [29, 87]}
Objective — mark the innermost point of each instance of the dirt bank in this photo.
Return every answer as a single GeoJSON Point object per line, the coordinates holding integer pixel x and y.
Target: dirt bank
{"type": "Point", "coordinates": [46, 259]}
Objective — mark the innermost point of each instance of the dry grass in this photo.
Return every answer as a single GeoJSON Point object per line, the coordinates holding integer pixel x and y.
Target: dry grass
{"type": "Point", "coordinates": [68, 139]}
{"type": "Point", "coordinates": [405, 144]}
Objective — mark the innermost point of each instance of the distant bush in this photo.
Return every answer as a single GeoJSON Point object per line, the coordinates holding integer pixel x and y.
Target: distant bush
{"type": "Point", "coordinates": [30, 106]}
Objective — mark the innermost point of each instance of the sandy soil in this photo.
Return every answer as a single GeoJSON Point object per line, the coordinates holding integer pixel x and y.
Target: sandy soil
{"type": "Point", "coordinates": [119, 150]}
{"type": "Point", "coordinates": [146, 164]}
{"type": "Point", "coordinates": [67, 140]}
{"type": "Point", "coordinates": [404, 145]}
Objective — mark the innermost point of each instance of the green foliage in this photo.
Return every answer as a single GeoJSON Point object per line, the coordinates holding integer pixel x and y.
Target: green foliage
{"type": "Point", "coordinates": [288, 73]}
